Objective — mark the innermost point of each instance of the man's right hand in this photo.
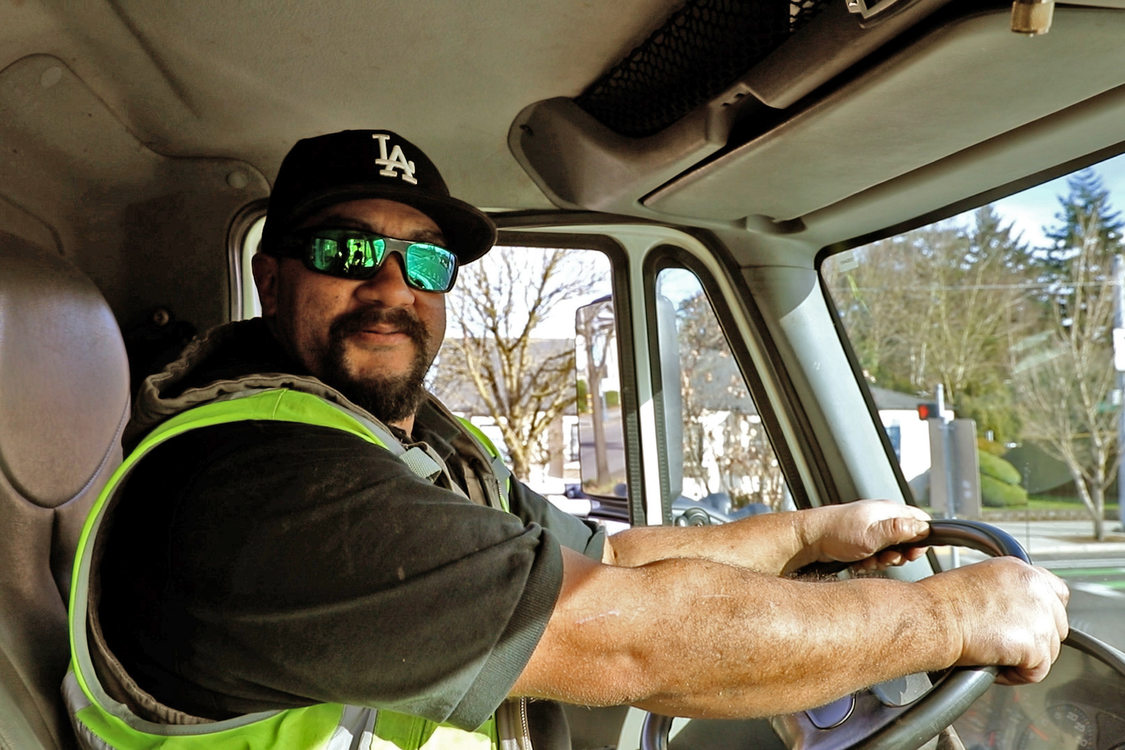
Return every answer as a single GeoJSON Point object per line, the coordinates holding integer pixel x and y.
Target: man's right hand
{"type": "Point", "coordinates": [1009, 613]}
{"type": "Point", "coordinates": [699, 638]}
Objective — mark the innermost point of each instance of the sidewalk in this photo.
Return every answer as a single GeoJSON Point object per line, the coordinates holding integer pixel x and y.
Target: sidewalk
{"type": "Point", "coordinates": [1069, 538]}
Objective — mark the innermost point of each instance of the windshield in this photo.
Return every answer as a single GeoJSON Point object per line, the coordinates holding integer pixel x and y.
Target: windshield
{"type": "Point", "coordinates": [994, 349]}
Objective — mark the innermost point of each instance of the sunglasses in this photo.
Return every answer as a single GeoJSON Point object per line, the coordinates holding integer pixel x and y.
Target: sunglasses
{"type": "Point", "coordinates": [358, 255]}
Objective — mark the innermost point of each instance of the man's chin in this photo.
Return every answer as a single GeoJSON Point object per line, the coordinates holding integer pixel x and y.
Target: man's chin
{"type": "Point", "coordinates": [386, 382]}
{"type": "Point", "coordinates": [383, 370]}
{"type": "Point", "coordinates": [390, 399]}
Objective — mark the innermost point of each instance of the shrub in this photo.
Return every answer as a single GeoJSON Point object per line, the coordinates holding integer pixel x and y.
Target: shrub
{"type": "Point", "coordinates": [999, 482]}
{"type": "Point", "coordinates": [997, 494]}
{"type": "Point", "coordinates": [991, 446]}
{"type": "Point", "coordinates": [998, 469]}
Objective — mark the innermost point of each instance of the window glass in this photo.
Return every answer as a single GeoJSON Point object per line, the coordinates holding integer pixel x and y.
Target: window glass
{"type": "Point", "coordinates": [600, 415]}
{"type": "Point", "coordinates": [729, 468]}
{"type": "Point", "coordinates": [1003, 328]}
{"type": "Point", "coordinates": [510, 361]}
{"type": "Point", "coordinates": [247, 304]}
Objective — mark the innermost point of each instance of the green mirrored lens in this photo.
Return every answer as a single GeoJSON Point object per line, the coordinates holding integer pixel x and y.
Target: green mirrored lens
{"type": "Point", "coordinates": [324, 254]}
{"type": "Point", "coordinates": [353, 254]}
{"type": "Point", "coordinates": [346, 254]}
{"type": "Point", "coordinates": [429, 267]}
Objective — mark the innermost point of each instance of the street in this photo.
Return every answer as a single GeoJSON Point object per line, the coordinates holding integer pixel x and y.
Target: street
{"type": "Point", "coordinates": [1097, 596]}
{"type": "Point", "coordinates": [1094, 571]}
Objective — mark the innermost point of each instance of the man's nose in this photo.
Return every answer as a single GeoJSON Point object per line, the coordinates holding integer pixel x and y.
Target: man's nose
{"type": "Point", "coordinates": [388, 286]}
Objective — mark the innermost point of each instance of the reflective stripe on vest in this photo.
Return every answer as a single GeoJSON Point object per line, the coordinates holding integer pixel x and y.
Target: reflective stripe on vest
{"type": "Point", "coordinates": [102, 722]}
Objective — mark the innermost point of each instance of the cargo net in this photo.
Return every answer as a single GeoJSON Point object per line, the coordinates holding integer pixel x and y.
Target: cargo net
{"type": "Point", "coordinates": [702, 49]}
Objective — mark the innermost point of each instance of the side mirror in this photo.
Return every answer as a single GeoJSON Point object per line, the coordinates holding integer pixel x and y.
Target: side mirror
{"type": "Point", "coordinates": [600, 418]}
{"type": "Point", "coordinates": [600, 428]}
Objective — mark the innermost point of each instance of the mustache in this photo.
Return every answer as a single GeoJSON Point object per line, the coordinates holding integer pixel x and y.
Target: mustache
{"type": "Point", "coordinates": [360, 320]}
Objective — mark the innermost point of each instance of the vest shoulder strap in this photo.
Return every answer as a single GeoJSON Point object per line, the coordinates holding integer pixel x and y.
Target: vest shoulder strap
{"type": "Point", "coordinates": [289, 405]}
{"type": "Point", "coordinates": [499, 469]}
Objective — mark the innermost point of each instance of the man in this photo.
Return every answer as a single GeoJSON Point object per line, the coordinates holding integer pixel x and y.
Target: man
{"type": "Point", "coordinates": [304, 531]}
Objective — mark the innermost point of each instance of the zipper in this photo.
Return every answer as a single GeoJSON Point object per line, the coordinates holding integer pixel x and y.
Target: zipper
{"type": "Point", "coordinates": [512, 727]}
{"type": "Point", "coordinates": [523, 723]}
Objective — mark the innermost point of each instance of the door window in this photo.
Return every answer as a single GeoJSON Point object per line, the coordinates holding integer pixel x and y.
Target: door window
{"type": "Point", "coordinates": [728, 466]}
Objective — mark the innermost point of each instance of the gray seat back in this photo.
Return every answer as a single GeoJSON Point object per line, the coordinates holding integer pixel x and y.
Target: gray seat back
{"type": "Point", "coordinates": [64, 400]}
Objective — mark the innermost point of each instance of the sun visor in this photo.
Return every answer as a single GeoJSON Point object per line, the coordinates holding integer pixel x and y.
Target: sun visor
{"type": "Point", "coordinates": [915, 109]}
{"type": "Point", "coordinates": [842, 105]}
{"type": "Point", "coordinates": [674, 101]}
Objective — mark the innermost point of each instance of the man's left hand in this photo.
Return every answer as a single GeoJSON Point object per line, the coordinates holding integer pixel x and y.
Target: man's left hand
{"type": "Point", "coordinates": [860, 532]}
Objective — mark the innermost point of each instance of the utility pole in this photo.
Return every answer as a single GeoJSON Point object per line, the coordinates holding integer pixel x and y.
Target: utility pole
{"type": "Point", "coordinates": [947, 455]}
{"type": "Point", "coordinates": [1119, 366]}
{"type": "Point", "coordinates": [955, 488]}
{"type": "Point", "coordinates": [944, 476]}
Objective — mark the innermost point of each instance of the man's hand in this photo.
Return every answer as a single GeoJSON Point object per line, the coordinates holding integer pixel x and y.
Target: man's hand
{"type": "Point", "coordinates": [695, 637]}
{"type": "Point", "coordinates": [859, 532]}
{"type": "Point", "coordinates": [1009, 613]}
{"type": "Point", "coordinates": [779, 543]}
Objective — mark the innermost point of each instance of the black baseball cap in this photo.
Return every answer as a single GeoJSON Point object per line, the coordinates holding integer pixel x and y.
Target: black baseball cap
{"type": "Point", "coordinates": [352, 164]}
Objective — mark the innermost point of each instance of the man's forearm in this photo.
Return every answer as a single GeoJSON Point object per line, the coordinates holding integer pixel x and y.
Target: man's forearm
{"type": "Point", "coordinates": [765, 543]}
{"type": "Point", "coordinates": [699, 638]}
{"type": "Point", "coordinates": [778, 543]}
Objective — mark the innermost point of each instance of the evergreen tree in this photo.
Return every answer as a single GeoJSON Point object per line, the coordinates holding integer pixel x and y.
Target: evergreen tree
{"type": "Point", "coordinates": [990, 237]}
{"type": "Point", "coordinates": [1084, 215]}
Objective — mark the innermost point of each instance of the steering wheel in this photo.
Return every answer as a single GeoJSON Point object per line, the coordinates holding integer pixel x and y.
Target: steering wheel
{"type": "Point", "coordinates": [865, 720]}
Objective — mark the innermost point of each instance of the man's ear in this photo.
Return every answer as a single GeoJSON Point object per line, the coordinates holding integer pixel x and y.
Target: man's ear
{"type": "Point", "coordinates": [265, 268]}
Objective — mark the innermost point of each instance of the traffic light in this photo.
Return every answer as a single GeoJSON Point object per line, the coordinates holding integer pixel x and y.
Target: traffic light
{"type": "Point", "coordinates": [928, 411]}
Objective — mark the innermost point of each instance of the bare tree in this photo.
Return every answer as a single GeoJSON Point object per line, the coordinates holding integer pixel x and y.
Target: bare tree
{"type": "Point", "coordinates": [1064, 387]}
{"type": "Point", "coordinates": [937, 305]}
{"type": "Point", "coordinates": [525, 383]}
{"type": "Point", "coordinates": [596, 332]}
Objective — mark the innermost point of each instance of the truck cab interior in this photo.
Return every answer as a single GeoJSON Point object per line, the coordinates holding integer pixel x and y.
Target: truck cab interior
{"type": "Point", "coordinates": [743, 140]}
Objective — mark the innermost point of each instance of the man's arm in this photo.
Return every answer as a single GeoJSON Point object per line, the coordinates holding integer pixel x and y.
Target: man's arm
{"type": "Point", "coordinates": [697, 637]}
{"type": "Point", "coordinates": [779, 543]}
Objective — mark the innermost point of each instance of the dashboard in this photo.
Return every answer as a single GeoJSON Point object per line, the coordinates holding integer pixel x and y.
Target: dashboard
{"type": "Point", "coordinates": [1080, 705]}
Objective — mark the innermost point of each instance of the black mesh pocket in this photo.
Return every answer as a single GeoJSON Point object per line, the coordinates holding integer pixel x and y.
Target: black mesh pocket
{"type": "Point", "coordinates": [702, 49]}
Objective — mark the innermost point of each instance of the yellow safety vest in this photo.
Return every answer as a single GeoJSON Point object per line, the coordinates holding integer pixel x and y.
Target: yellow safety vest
{"type": "Point", "coordinates": [102, 722]}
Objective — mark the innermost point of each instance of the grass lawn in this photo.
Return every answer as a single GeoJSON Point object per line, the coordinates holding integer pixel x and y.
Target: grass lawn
{"type": "Point", "coordinates": [1051, 502]}
{"type": "Point", "coordinates": [1055, 503]}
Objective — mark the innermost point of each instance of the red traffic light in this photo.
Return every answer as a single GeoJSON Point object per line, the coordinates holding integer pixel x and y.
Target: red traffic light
{"type": "Point", "coordinates": [928, 411]}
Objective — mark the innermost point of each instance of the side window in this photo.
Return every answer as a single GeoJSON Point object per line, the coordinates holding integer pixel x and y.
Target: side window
{"type": "Point", "coordinates": [729, 468]}
{"type": "Point", "coordinates": [508, 363]}
{"type": "Point", "coordinates": [244, 302]}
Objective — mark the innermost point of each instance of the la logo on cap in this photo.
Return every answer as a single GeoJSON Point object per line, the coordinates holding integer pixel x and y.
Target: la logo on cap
{"type": "Point", "coordinates": [394, 161]}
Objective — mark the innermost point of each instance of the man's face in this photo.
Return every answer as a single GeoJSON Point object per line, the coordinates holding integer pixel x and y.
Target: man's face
{"type": "Point", "coordinates": [374, 340]}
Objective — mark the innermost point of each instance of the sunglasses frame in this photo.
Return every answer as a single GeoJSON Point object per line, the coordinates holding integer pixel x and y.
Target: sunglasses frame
{"type": "Point", "coordinates": [299, 245]}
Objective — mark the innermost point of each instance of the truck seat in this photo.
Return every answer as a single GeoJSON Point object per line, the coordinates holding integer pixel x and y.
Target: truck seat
{"type": "Point", "coordinates": [64, 400]}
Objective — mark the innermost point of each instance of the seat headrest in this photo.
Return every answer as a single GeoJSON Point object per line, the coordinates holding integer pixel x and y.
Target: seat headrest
{"type": "Point", "coordinates": [64, 400]}
{"type": "Point", "coordinates": [62, 382]}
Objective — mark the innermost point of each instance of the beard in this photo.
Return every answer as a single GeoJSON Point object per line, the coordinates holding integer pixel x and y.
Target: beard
{"type": "Point", "coordinates": [388, 397]}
